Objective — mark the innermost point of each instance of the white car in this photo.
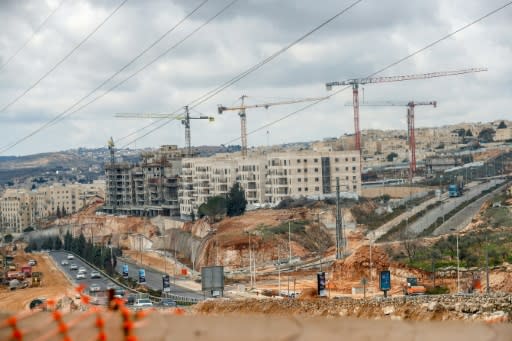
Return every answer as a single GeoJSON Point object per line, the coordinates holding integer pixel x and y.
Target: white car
{"type": "Point", "coordinates": [70, 256]}
{"type": "Point", "coordinates": [73, 266]}
{"type": "Point", "coordinates": [80, 275]}
{"type": "Point", "coordinates": [82, 270]}
{"type": "Point", "coordinates": [142, 303]}
{"type": "Point", "coordinates": [64, 262]}
{"type": "Point", "coordinates": [95, 274]}
{"type": "Point", "coordinates": [94, 287]}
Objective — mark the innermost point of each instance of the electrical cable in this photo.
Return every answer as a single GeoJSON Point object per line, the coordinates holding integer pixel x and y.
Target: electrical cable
{"type": "Point", "coordinates": [67, 111]}
{"type": "Point", "coordinates": [62, 60]}
{"type": "Point", "coordinates": [212, 93]}
{"type": "Point", "coordinates": [38, 28]}
{"type": "Point", "coordinates": [435, 42]}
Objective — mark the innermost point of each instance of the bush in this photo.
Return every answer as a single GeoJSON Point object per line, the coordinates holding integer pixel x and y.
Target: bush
{"type": "Point", "coordinates": [438, 290]}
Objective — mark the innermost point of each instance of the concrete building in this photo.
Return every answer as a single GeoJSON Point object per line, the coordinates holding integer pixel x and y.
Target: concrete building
{"type": "Point", "coordinates": [503, 134]}
{"type": "Point", "coordinates": [268, 177]}
{"type": "Point", "coordinates": [20, 208]}
{"type": "Point", "coordinates": [149, 188]}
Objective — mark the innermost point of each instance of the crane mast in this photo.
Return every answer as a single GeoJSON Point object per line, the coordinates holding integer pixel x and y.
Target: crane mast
{"type": "Point", "coordinates": [243, 117]}
{"type": "Point", "coordinates": [371, 80]}
{"type": "Point", "coordinates": [411, 138]}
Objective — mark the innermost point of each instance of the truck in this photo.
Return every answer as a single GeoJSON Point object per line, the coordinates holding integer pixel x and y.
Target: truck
{"type": "Point", "coordinates": [411, 287]}
{"type": "Point", "coordinates": [27, 270]}
{"type": "Point", "coordinates": [456, 188]}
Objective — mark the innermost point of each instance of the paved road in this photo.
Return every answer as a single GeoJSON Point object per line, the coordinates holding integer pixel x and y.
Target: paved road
{"type": "Point", "coordinates": [448, 205]}
{"type": "Point", "coordinates": [154, 279]}
{"type": "Point", "coordinates": [462, 218]}
{"type": "Point", "coordinates": [59, 256]}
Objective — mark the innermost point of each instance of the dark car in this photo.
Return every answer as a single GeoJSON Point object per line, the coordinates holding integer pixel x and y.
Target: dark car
{"type": "Point", "coordinates": [167, 302]}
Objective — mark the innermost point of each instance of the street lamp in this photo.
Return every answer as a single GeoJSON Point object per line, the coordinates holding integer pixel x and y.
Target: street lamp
{"type": "Point", "coordinates": [458, 259]}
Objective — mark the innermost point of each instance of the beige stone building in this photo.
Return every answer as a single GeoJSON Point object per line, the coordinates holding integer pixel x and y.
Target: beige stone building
{"type": "Point", "coordinates": [268, 177]}
{"type": "Point", "coordinates": [503, 134]}
{"type": "Point", "coordinates": [20, 208]}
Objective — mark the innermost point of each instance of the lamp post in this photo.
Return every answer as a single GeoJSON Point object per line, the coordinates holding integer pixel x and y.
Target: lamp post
{"type": "Point", "coordinates": [289, 242]}
{"type": "Point", "coordinates": [458, 260]}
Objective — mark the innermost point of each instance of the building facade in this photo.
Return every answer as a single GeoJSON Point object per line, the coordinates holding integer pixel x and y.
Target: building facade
{"type": "Point", "coordinates": [21, 208]}
{"type": "Point", "coordinates": [268, 177]}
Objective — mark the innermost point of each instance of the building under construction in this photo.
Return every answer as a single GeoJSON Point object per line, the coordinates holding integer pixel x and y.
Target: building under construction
{"type": "Point", "coordinates": [149, 188]}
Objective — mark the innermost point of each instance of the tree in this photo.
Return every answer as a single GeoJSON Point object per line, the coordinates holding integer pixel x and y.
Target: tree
{"type": "Point", "coordinates": [213, 208]}
{"type": "Point", "coordinates": [68, 239]}
{"type": "Point", "coordinates": [486, 135]}
{"type": "Point", "coordinates": [236, 202]}
{"type": "Point", "coordinates": [64, 213]}
{"type": "Point", "coordinates": [391, 156]}
{"type": "Point", "coordinates": [502, 125]}
{"type": "Point", "coordinates": [469, 133]}
{"type": "Point", "coordinates": [57, 243]}
{"type": "Point", "coordinates": [8, 238]}
{"type": "Point", "coordinates": [58, 212]}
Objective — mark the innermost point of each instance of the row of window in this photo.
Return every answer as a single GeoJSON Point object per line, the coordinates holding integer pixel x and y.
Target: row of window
{"type": "Point", "coordinates": [317, 189]}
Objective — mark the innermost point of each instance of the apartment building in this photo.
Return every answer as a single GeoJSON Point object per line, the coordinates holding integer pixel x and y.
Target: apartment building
{"type": "Point", "coordinates": [21, 208]}
{"type": "Point", "coordinates": [268, 177]}
{"type": "Point", "coordinates": [503, 134]}
{"type": "Point", "coordinates": [149, 188]}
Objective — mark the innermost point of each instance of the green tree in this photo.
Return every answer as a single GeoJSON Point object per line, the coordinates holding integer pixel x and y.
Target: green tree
{"type": "Point", "coordinates": [68, 239]}
{"type": "Point", "coordinates": [63, 211]}
{"type": "Point", "coordinates": [58, 212]}
{"type": "Point", "coordinates": [502, 125]}
{"type": "Point", "coordinates": [80, 246]}
{"type": "Point", "coordinates": [214, 208]}
{"type": "Point", "coordinates": [8, 238]}
{"type": "Point", "coordinates": [391, 156]}
{"type": "Point", "coordinates": [236, 202]}
{"type": "Point", "coordinates": [57, 243]}
{"type": "Point", "coordinates": [486, 135]}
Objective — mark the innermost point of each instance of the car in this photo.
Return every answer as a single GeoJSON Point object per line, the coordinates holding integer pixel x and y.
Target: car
{"type": "Point", "coordinates": [95, 274]}
{"type": "Point", "coordinates": [64, 262]}
{"type": "Point", "coordinates": [94, 287]}
{"type": "Point", "coordinates": [32, 262]}
{"type": "Point", "coordinates": [70, 256]}
{"type": "Point", "coordinates": [111, 286]}
{"type": "Point", "coordinates": [142, 303]}
{"type": "Point", "coordinates": [167, 302]}
{"type": "Point", "coordinates": [80, 275]}
{"type": "Point", "coordinates": [82, 269]}
{"type": "Point", "coordinates": [73, 266]}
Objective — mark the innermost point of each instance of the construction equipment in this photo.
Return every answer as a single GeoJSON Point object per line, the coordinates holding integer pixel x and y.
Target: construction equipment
{"type": "Point", "coordinates": [357, 81]}
{"type": "Point", "coordinates": [185, 120]}
{"type": "Point", "coordinates": [410, 128]}
{"type": "Point", "coordinates": [411, 287]}
{"type": "Point", "coordinates": [243, 118]}
{"type": "Point", "coordinates": [36, 278]}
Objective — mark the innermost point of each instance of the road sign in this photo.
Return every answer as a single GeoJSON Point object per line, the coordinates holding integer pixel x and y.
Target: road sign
{"type": "Point", "coordinates": [320, 276]}
{"type": "Point", "coordinates": [385, 280]}
{"type": "Point", "coordinates": [166, 283]}
{"type": "Point", "coordinates": [142, 276]}
{"type": "Point", "coordinates": [125, 270]}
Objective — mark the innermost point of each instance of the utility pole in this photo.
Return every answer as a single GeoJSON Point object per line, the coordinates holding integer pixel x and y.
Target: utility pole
{"type": "Point", "coordinates": [338, 220]}
{"type": "Point", "coordinates": [289, 242]}
{"type": "Point", "coordinates": [278, 271]}
{"type": "Point", "coordinates": [488, 287]}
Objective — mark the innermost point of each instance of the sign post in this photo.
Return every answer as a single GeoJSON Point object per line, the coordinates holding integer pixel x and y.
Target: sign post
{"type": "Point", "coordinates": [320, 276]}
{"type": "Point", "coordinates": [166, 283]}
{"type": "Point", "coordinates": [125, 271]}
{"type": "Point", "coordinates": [385, 281]}
{"type": "Point", "coordinates": [142, 276]}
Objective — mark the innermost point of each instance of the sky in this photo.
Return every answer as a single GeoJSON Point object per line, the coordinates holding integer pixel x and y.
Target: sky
{"type": "Point", "coordinates": [366, 38]}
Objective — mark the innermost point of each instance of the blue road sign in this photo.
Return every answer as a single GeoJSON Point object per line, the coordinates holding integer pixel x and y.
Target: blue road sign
{"type": "Point", "coordinates": [385, 280]}
{"type": "Point", "coordinates": [125, 270]}
{"type": "Point", "coordinates": [142, 276]}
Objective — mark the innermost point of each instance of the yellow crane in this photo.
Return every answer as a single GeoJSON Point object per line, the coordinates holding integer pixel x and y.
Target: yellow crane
{"type": "Point", "coordinates": [185, 120]}
{"type": "Point", "coordinates": [243, 117]}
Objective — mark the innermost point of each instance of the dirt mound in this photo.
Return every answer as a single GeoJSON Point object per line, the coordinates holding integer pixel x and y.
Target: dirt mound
{"type": "Point", "coordinates": [308, 293]}
{"type": "Point", "coordinates": [357, 265]}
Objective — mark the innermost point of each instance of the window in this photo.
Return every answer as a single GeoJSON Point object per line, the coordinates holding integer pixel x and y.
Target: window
{"type": "Point", "coordinates": [305, 160]}
{"type": "Point", "coordinates": [305, 189]}
{"type": "Point", "coordinates": [353, 159]}
{"type": "Point", "coordinates": [337, 169]}
{"type": "Point", "coordinates": [354, 178]}
{"type": "Point", "coordinates": [317, 189]}
{"type": "Point", "coordinates": [346, 159]}
{"type": "Point", "coordinates": [346, 169]}
{"type": "Point", "coordinates": [298, 170]}
{"type": "Point", "coordinates": [305, 170]}
{"type": "Point", "coordinates": [354, 187]}
{"type": "Point", "coordinates": [353, 168]}
{"type": "Point", "coordinates": [298, 160]}
{"type": "Point", "coordinates": [305, 179]}
{"type": "Point", "coordinates": [316, 170]}
{"type": "Point", "coordinates": [299, 179]}
{"type": "Point", "coordinates": [336, 160]}
{"type": "Point", "coordinates": [316, 179]}
{"type": "Point", "coordinates": [315, 160]}
{"type": "Point", "coordinates": [300, 189]}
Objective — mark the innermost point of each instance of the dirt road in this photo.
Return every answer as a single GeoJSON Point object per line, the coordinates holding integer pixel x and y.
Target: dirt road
{"type": "Point", "coordinates": [54, 284]}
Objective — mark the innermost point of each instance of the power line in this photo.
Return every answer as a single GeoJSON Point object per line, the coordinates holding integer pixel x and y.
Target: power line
{"type": "Point", "coordinates": [435, 42]}
{"type": "Point", "coordinates": [210, 94]}
{"type": "Point", "coordinates": [8, 105]}
{"type": "Point", "coordinates": [67, 112]}
{"type": "Point", "coordinates": [38, 28]}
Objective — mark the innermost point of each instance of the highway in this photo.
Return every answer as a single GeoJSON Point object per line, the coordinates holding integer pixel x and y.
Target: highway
{"type": "Point", "coordinates": [154, 279]}
{"type": "Point", "coordinates": [448, 205]}
{"type": "Point", "coordinates": [58, 256]}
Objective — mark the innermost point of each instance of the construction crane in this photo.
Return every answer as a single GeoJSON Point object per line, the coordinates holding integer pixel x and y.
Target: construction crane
{"type": "Point", "coordinates": [357, 81]}
{"type": "Point", "coordinates": [410, 127]}
{"type": "Point", "coordinates": [185, 120]}
{"type": "Point", "coordinates": [243, 118]}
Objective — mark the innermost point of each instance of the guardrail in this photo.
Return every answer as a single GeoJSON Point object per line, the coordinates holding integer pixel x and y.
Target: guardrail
{"type": "Point", "coordinates": [178, 298]}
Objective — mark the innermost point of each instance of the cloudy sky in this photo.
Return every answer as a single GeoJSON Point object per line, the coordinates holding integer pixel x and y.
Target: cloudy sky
{"type": "Point", "coordinates": [368, 37]}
